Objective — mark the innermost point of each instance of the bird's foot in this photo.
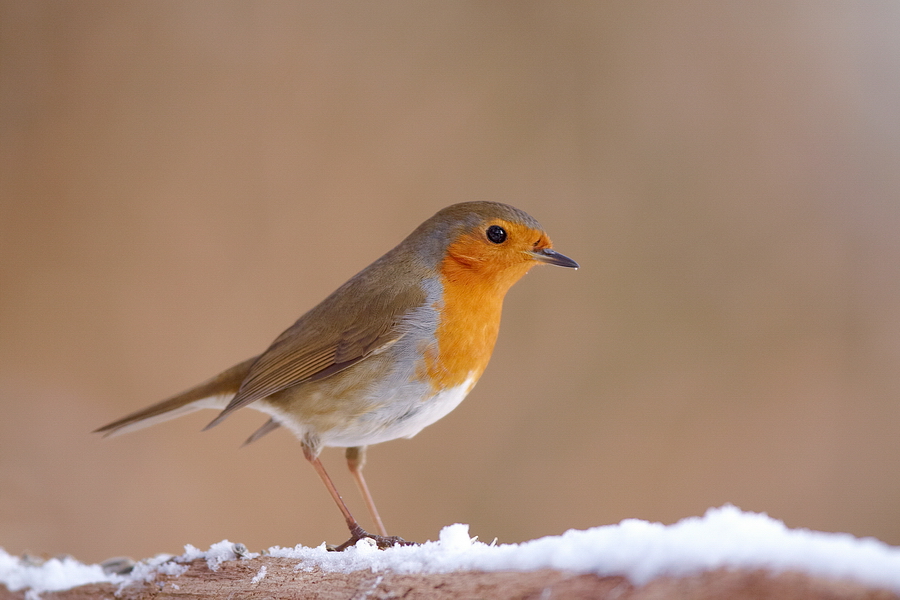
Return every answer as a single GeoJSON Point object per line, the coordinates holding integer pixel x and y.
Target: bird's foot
{"type": "Point", "coordinates": [382, 541]}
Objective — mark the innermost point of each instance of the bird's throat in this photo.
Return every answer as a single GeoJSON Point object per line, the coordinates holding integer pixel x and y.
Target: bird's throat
{"type": "Point", "coordinates": [468, 322]}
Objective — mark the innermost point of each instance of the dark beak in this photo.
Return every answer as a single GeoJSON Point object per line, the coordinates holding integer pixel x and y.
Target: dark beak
{"type": "Point", "coordinates": [552, 257]}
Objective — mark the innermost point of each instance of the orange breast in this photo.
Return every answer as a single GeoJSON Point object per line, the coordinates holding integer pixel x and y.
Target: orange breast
{"type": "Point", "coordinates": [470, 308]}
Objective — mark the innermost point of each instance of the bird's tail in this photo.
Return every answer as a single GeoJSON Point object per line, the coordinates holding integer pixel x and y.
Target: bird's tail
{"type": "Point", "coordinates": [214, 393]}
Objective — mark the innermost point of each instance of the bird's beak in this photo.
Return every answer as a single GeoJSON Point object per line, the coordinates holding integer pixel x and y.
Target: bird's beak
{"type": "Point", "coordinates": [552, 257]}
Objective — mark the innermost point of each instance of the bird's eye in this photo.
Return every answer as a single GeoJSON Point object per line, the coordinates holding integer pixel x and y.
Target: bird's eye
{"type": "Point", "coordinates": [496, 234]}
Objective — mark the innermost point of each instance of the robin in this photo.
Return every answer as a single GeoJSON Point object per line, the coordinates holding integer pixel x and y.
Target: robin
{"type": "Point", "coordinates": [393, 350]}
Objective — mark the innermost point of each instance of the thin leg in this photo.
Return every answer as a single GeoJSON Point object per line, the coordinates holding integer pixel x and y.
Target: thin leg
{"type": "Point", "coordinates": [356, 460]}
{"type": "Point", "coordinates": [323, 475]}
{"type": "Point", "coordinates": [356, 532]}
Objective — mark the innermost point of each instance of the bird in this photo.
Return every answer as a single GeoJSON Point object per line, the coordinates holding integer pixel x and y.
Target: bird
{"type": "Point", "coordinates": [391, 351]}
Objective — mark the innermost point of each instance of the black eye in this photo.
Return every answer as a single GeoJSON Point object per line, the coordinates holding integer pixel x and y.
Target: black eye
{"type": "Point", "coordinates": [496, 234]}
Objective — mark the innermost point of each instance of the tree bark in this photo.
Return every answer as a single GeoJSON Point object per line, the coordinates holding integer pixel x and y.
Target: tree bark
{"type": "Point", "coordinates": [242, 579]}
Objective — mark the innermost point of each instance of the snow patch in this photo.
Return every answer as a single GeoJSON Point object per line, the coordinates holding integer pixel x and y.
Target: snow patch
{"type": "Point", "coordinates": [259, 575]}
{"type": "Point", "coordinates": [54, 574]}
{"type": "Point", "coordinates": [639, 550]}
{"type": "Point", "coordinates": [217, 554]}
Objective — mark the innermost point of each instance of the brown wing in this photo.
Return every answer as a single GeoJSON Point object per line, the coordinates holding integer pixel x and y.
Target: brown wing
{"type": "Point", "coordinates": [341, 331]}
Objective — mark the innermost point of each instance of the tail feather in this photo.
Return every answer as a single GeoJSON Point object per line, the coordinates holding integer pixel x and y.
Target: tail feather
{"type": "Point", "coordinates": [268, 427]}
{"type": "Point", "coordinates": [214, 393]}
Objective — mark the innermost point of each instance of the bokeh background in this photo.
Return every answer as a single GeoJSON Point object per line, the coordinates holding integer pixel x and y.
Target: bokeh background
{"type": "Point", "coordinates": [181, 180]}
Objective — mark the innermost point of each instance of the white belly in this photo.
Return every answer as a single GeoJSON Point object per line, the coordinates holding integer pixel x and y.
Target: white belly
{"type": "Point", "coordinates": [404, 417]}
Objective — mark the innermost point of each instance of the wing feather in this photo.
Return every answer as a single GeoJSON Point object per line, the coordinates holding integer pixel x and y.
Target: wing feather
{"type": "Point", "coordinates": [310, 350]}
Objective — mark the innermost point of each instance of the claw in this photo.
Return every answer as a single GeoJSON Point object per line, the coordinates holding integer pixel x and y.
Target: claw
{"type": "Point", "coordinates": [382, 541]}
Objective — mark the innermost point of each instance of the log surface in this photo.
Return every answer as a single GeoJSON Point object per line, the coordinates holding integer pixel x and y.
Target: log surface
{"type": "Point", "coordinates": [282, 579]}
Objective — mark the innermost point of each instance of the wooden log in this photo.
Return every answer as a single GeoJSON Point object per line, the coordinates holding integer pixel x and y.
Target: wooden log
{"type": "Point", "coordinates": [268, 577]}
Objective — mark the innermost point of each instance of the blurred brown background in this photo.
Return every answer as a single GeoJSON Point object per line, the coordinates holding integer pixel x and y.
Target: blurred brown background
{"type": "Point", "coordinates": [180, 181]}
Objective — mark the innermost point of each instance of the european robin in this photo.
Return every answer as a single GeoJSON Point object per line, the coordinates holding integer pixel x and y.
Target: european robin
{"type": "Point", "coordinates": [394, 349]}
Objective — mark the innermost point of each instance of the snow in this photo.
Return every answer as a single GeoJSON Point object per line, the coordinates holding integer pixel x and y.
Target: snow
{"type": "Point", "coordinates": [216, 555]}
{"type": "Point", "coordinates": [724, 537]}
{"type": "Point", "coordinates": [259, 575]}
{"type": "Point", "coordinates": [54, 574]}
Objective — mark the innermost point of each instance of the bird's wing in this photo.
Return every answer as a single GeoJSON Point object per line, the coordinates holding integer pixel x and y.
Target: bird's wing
{"type": "Point", "coordinates": [328, 339]}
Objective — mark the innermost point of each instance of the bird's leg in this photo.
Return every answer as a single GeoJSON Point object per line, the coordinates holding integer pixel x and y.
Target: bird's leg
{"type": "Point", "coordinates": [356, 460]}
{"type": "Point", "coordinates": [356, 532]}
{"type": "Point", "coordinates": [323, 475]}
